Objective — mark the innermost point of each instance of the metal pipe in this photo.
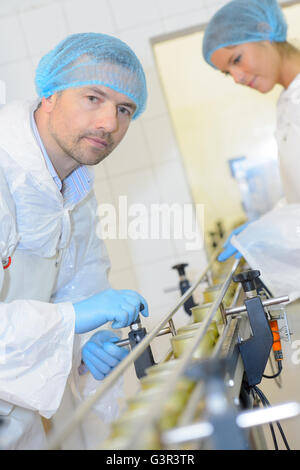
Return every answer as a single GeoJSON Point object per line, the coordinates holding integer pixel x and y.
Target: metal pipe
{"type": "Point", "coordinates": [78, 415]}
{"type": "Point", "coordinates": [266, 303]}
{"type": "Point", "coordinates": [190, 409]}
{"type": "Point", "coordinates": [137, 434]}
{"type": "Point", "coordinates": [172, 327]}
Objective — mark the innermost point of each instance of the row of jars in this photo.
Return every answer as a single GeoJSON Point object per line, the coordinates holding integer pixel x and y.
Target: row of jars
{"type": "Point", "coordinates": [156, 376]}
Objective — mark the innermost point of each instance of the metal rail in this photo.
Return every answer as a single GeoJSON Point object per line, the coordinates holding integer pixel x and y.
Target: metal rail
{"type": "Point", "coordinates": [56, 438]}
{"type": "Point", "coordinates": [266, 303]}
{"type": "Point", "coordinates": [190, 409]}
{"type": "Point", "coordinates": [137, 436]}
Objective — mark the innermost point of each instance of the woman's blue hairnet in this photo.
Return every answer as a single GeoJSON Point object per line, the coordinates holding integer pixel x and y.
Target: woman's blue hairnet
{"type": "Point", "coordinates": [92, 59]}
{"type": "Point", "coordinates": [242, 21]}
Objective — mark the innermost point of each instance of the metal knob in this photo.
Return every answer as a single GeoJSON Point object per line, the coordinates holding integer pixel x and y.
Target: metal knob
{"type": "Point", "coordinates": [247, 279]}
{"type": "Point", "coordinates": [180, 268]}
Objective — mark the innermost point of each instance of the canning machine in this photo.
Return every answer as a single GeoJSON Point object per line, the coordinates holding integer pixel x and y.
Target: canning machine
{"type": "Point", "coordinates": [204, 394]}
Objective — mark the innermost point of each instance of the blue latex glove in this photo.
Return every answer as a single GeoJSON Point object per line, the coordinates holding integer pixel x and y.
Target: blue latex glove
{"type": "Point", "coordinates": [229, 249]}
{"type": "Point", "coordinates": [101, 355]}
{"type": "Point", "coordinates": [119, 306]}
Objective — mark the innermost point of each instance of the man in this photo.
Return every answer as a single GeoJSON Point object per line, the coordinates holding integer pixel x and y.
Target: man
{"type": "Point", "coordinates": [54, 281]}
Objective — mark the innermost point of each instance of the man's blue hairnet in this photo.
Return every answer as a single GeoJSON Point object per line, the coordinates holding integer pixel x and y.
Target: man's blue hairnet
{"type": "Point", "coordinates": [92, 59]}
{"type": "Point", "coordinates": [242, 21]}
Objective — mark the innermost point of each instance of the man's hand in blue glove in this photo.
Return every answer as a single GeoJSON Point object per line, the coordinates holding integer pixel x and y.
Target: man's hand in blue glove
{"type": "Point", "coordinates": [101, 355]}
{"type": "Point", "coordinates": [119, 306]}
{"type": "Point", "coordinates": [229, 249]}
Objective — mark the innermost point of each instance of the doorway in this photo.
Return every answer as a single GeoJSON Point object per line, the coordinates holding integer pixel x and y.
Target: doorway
{"type": "Point", "coordinates": [217, 123]}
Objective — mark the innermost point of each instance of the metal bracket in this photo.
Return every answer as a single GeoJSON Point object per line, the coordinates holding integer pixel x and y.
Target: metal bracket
{"type": "Point", "coordinates": [255, 351]}
{"type": "Point", "coordinates": [146, 359]}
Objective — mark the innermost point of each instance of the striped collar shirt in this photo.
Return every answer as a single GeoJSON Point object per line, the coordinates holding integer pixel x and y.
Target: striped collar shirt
{"type": "Point", "coordinates": [76, 185]}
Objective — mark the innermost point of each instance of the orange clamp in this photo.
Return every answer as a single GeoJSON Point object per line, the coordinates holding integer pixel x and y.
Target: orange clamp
{"type": "Point", "coordinates": [276, 340]}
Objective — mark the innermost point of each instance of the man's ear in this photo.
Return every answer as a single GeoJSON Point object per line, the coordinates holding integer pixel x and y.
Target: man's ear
{"type": "Point", "coordinates": [48, 103]}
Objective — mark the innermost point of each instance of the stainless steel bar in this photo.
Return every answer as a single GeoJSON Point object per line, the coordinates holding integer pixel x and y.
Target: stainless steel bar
{"type": "Point", "coordinates": [56, 439]}
{"type": "Point", "coordinates": [172, 327]}
{"type": "Point", "coordinates": [219, 345]}
{"type": "Point", "coordinates": [189, 412]}
{"type": "Point", "coordinates": [222, 310]}
{"type": "Point", "coordinates": [236, 295]}
{"type": "Point", "coordinates": [266, 303]}
{"type": "Point", "coordinates": [221, 340]}
{"type": "Point", "coordinates": [137, 435]}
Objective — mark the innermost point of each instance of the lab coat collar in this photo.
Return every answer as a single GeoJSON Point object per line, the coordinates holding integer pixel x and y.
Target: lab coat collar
{"type": "Point", "coordinates": [292, 92]}
{"type": "Point", "coordinates": [17, 139]}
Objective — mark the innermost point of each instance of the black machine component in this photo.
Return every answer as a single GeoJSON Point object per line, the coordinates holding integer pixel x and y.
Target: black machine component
{"type": "Point", "coordinates": [217, 235]}
{"type": "Point", "coordinates": [220, 229]}
{"type": "Point", "coordinates": [135, 336]}
{"type": "Point", "coordinates": [214, 239]}
{"type": "Point", "coordinates": [255, 351]}
{"type": "Point", "coordinates": [184, 285]}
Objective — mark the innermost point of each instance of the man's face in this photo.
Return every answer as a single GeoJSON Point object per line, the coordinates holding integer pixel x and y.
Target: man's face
{"type": "Point", "coordinates": [251, 64]}
{"type": "Point", "coordinates": [88, 123]}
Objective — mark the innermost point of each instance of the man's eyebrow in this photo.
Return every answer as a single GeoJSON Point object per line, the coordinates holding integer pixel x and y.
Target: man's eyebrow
{"type": "Point", "coordinates": [130, 105]}
{"type": "Point", "coordinates": [96, 90]}
{"type": "Point", "coordinates": [105, 95]}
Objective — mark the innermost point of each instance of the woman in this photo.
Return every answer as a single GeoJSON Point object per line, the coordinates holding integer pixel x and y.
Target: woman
{"type": "Point", "coordinates": [248, 40]}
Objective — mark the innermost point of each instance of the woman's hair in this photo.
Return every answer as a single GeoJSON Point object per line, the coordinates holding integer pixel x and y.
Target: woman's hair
{"type": "Point", "coordinates": [242, 21]}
